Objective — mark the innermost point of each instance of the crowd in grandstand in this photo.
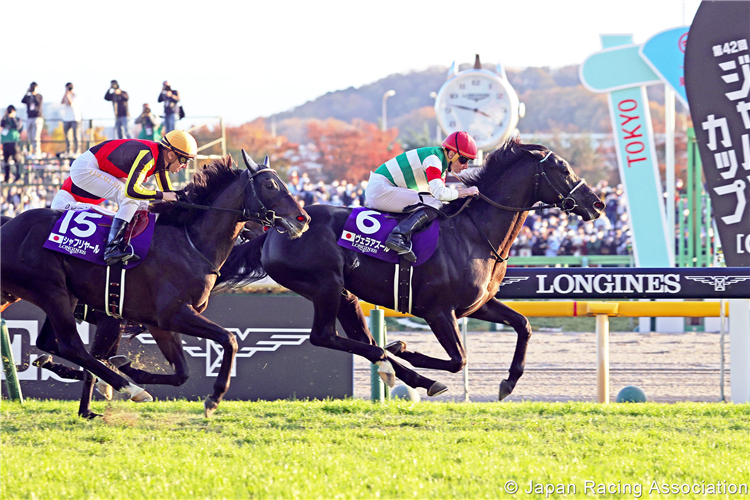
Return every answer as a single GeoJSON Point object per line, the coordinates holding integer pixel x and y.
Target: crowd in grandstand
{"type": "Point", "coordinates": [549, 233]}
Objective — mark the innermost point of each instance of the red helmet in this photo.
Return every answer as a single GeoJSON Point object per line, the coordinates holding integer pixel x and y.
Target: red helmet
{"type": "Point", "coordinates": [461, 143]}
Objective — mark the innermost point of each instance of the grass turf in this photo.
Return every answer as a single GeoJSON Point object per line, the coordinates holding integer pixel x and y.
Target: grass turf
{"type": "Point", "coordinates": [356, 449]}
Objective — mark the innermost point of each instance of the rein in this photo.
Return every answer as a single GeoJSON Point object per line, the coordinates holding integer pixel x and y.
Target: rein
{"type": "Point", "coordinates": [562, 204]}
{"type": "Point", "coordinates": [264, 216]}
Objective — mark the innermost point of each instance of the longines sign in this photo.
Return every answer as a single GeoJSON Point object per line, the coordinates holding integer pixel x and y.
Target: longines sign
{"type": "Point", "coordinates": [626, 283]}
{"type": "Point", "coordinates": [275, 359]}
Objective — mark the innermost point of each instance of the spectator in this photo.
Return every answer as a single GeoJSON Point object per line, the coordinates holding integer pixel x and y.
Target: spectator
{"type": "Point", "coordinates": [149, 125]}
{"type": "Point", "coordinates": [33, 102]}
{"type": "Point", "coordinates": [170, 98]}
{"type": "Point", "coordinates": [119, 99]}
{"type": "Point", "coordinates": [11, 133]}
{"type": "Point", "coordinates": [71, 122]}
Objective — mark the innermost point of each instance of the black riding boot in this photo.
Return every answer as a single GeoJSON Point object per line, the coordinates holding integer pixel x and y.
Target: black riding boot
{"type": "Point", "coordinates": [400, 238]}
{"type": "Point", "coordinates": [116, 249]}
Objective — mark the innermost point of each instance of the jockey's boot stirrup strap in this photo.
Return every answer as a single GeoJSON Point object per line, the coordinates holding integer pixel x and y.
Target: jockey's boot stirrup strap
{"type": "Point", "coordinates": [400, 238]}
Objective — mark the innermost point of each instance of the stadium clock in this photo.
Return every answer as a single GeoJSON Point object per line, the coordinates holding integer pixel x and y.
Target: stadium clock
{"type": "Point", "coordinates": [481, 102]}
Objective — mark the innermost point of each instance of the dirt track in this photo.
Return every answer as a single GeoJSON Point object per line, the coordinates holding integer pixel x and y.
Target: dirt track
{"type": "Point", "coordinates": [562, 366]}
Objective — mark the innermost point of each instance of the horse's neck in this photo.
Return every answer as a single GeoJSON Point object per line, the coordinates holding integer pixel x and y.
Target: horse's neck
{"type": "Point", "coordinates": [215, 234]}
{"type": "Point", "coordinates": [502, 226]}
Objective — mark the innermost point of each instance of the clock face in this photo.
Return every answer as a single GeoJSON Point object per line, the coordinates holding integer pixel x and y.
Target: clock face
{"type": "Point", "coordinates": [479, 102]}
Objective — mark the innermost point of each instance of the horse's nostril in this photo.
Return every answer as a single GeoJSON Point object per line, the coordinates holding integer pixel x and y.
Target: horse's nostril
{"type": "Point", "coordinates": [599, 205]}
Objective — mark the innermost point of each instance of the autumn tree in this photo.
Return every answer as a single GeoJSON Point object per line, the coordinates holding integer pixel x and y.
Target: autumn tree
{"type": "Point", "coordinates": [351, 151]}
{"type": "Point", "coordinates": [254, 138]}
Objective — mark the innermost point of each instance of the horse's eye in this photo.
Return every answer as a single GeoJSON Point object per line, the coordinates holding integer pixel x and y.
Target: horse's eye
{"type": "Point", "coordinates": [270, 185]}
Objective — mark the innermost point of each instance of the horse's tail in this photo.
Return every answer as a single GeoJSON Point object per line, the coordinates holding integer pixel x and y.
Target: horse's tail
{"type": "Point", "coordinates": [243, 266]}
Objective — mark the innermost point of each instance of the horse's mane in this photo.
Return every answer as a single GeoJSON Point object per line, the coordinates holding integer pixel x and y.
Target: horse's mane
{"type": "Point", "coordinates": [206, 185]}
{"type": "Point", "coordinates": [495, 165]}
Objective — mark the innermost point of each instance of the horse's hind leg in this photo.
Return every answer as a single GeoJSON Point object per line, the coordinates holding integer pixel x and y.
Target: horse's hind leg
{"type": "Point", "coordinates": [46, 341]}
{"type": "Point", "coordinates": [495, 311]}
{"type": "Point", "coordinates": [352, 319]}
{"type": "Point", "coordinates": [170, 344]}
{"type": "Point", "coordinates": [57, 306]}
{"type": "Point", "coordinates": [445, 328]}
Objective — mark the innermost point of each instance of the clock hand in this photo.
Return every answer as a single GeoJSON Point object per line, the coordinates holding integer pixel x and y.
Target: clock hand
{"type": "Point", "coordinates": [471, 109]}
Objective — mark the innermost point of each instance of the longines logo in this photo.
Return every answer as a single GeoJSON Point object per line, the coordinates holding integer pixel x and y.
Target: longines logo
{"type": "Point", "coordinates": [720, 283]}
{"type": "Point", "coordinates": [475, 97]}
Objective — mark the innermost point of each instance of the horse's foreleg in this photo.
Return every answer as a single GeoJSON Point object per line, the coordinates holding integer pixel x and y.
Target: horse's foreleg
{"type": "Point", "coordinates": [46, 341]}
{"type": "Point", "coordinates": [495, 311]}
{"type": "Point", "coordinates": [170, 344]}
{"type": "Point", "coordinates": [189, 322]}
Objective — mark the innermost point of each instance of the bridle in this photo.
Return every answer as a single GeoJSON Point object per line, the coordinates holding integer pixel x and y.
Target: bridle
{"type": "Point", "coordinates": [264, 215]}
{"type": "Point", "coordinates": [566, 203]}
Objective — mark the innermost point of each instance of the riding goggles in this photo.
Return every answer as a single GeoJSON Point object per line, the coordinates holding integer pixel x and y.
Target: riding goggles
{"type": "Point", "coordinates": [461, 158]}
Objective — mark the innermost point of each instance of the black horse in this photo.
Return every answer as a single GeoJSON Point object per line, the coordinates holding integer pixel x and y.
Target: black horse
{"type": "Point", "coordinates": [169, 290]}
{"type": "Point", "coordinates": [460, 279]}
{"type": "Point", "coordinates": [109, 332]}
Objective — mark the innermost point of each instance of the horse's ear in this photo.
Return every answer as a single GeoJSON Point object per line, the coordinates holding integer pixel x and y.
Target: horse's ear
{"type": "Point", "coordinates": [266, 162]}
{"type": "Point", "coordinates": [251, 165]}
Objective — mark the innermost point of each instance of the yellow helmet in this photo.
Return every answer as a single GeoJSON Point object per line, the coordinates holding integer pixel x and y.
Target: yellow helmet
{"type": "Point", "coordinates": [181, 143]}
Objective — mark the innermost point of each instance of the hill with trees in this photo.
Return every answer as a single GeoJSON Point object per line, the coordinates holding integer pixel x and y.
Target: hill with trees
{"type": "Point", "coordinates": [338, 133]}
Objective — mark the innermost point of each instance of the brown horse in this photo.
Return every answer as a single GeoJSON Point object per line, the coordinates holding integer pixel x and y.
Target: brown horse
{"type": "Point", "coordinates": [168, 291]}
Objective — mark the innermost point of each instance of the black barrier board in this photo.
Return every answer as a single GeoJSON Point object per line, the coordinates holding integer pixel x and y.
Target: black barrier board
{"type": "Point", "coordinates": [626, 283]}
{"type": "Point", "coordinates": [275, 359]}
{"type": "Point", "coordinates": [717, 83]}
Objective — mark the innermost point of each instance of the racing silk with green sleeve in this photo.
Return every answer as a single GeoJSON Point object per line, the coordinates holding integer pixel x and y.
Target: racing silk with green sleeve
{"type": "Point", "coordinates": [134, 160]}
{"type": "Point", "coordinates": [422, 169]}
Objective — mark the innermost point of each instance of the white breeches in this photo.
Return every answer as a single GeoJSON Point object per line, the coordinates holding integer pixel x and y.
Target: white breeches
{"type": "Point", "coordinates": [380, 194]}
{"type": "Point", "coordinates": [63, 200]}
{"type": "Point", "coordinates": [86, 174]}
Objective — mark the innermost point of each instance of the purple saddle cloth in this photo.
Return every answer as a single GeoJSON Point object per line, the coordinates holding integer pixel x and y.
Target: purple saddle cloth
{"type": "Point", "coordinates": [366, 230]}
{"type": "Point", "coordinates": [83, 234]}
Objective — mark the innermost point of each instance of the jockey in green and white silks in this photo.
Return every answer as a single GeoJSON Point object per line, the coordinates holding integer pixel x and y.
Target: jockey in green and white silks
{"type": "Point", "coordinates": [397, 183]}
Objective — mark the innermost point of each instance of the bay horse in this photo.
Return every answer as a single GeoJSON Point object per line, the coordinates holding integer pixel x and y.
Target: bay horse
{"type": "Point", "coordinates": [459, 280]}
{"type": "Point", "coordinates": [166, 292]}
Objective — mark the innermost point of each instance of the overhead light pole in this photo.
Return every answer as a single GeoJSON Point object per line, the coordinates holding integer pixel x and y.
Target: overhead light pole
{"type": "Point", "coordinates": [438, 132]}
{"type": "Point", "coordinates": [388, 94]}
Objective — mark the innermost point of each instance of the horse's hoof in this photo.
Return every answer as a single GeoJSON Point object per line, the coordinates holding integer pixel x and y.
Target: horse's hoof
{"type": "Point", "coordinates": [104, 389]}
{"type": "Point", "coordinates": [396, 347]}
{"type": "Point", "coordinates": [119, 360]}
{"type": "Point", "coordinates": [505, 390]}
{"type": "Point", "coordinates": [42, 360]}
{"type": "Point", "coordinates": [90, 415]}
{"type": "Point", "coordinates": [436, 389]}
{"type": "Point", "coordinates": [209, 407]}
{"type": "Point", "coordinates": [137, 394]}
{"type": "Point", "coordinates": [386, 372]}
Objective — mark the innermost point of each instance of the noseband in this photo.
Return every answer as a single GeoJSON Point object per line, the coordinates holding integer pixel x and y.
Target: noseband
{"type": "Point", "coordinates": [566, 203]}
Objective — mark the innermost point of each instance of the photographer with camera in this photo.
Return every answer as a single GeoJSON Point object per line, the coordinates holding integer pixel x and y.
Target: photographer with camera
{"type": "Point", "coordinates": [149, 124]}
{"type": "Point", "coordinates": [71, 122]}
{"type": "Point", "coordinates": [11, 133]}
{"type": "Point", "coordinates": [33, 102]}
{"type": "Point", "coordinates": [119, 99]}
{"type": "Point", "coordinates": [170, 98]}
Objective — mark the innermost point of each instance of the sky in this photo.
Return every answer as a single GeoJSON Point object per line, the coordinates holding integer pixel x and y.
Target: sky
{"type": "Point", "coordinates": [245, 59]}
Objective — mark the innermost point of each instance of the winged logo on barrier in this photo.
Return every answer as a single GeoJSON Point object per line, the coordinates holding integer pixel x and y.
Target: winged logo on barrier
{"type": "Point", "coordinates": [510, 281]}
{"type": "Point", "coordinates": [720, 283]}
